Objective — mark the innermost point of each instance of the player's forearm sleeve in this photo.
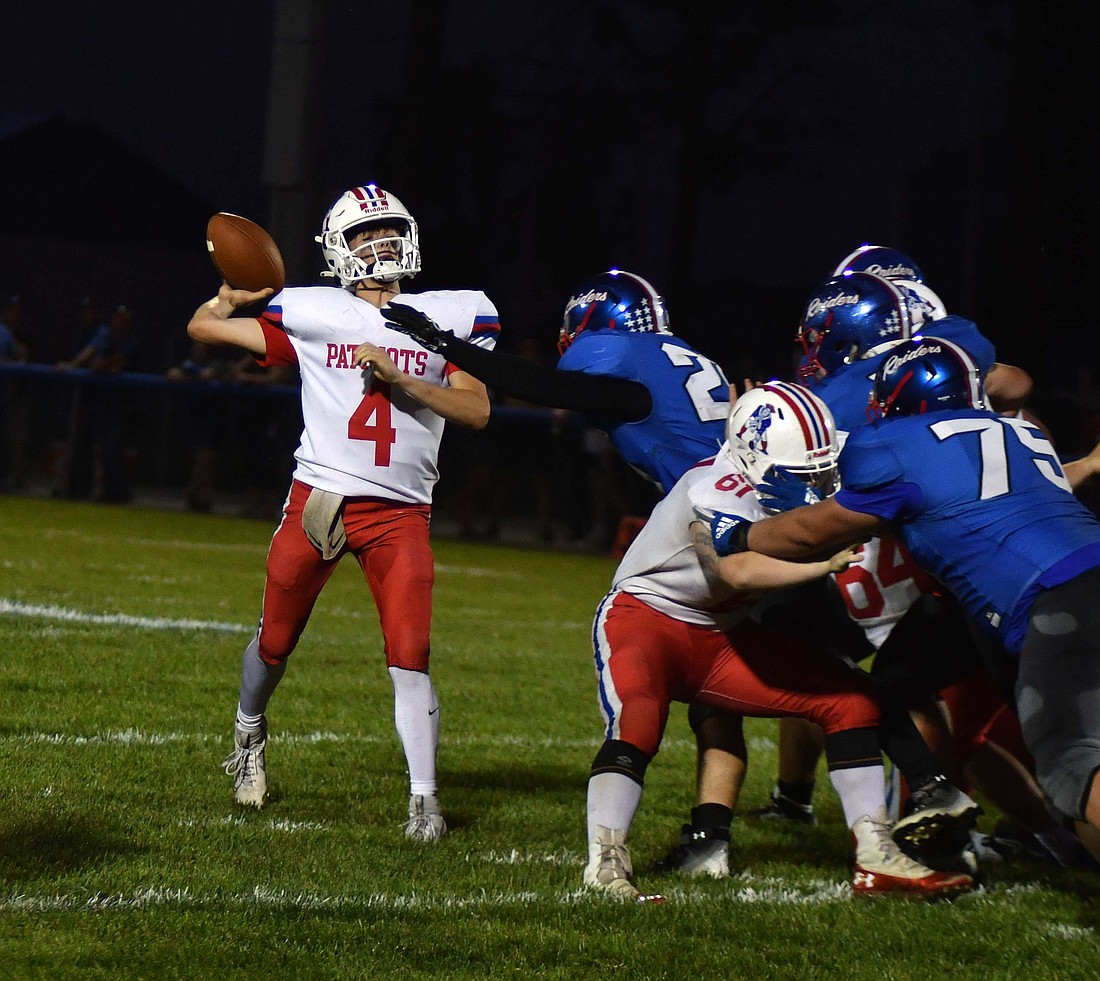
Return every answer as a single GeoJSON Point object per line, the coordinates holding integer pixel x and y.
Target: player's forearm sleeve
{"type": "Point", "coordinates": [525, 379]}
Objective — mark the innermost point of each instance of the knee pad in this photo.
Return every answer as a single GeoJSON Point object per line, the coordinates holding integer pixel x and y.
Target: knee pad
{"type": "Point", "coordinates": [698, 713]}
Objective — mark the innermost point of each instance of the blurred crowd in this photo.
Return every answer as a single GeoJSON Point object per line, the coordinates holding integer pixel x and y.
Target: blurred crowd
{"type": "Point", "coordinates": [86, 439]}
{"type": "Point", "coordinates": [541, 466]}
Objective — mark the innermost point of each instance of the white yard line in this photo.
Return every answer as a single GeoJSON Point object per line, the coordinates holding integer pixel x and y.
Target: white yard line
{"type": "Point", "coordinates": [476, 572]}
{"type": "Point", "coordinates": [63, 614]}
{"type": "Point", "coordinates": [262, 897]}
{"type": "Point", "coordinates": [240, 821]}
{"type": "Point", "coordinates": [136, 737]}
{"type": "Point", "coordinates": [175, 544]}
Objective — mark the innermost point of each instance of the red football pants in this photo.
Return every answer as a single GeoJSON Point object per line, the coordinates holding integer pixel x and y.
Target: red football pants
{"type": "Point", "coordinates": [646, 660]}
{"type": "Point", "coordinates": [390, 543]}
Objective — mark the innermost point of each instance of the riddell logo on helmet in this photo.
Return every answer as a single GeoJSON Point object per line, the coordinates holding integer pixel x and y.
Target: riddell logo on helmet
{"type": "Point", "coordinates": [818, 304]}
{"type": "Point", "coordinates": [592, 296]}
{"type": "Point", "coordinates": [895, 361]}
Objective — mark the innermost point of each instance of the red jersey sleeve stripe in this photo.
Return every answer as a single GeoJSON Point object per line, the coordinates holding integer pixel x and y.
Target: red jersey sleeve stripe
{"type": "Point", "coordinates": [279, 349]}
{"type": "Point", "coordinates": [485, 327]}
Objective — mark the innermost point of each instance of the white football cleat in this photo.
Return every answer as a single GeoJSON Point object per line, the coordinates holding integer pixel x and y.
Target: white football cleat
{"type": "Point", "coordinates": [425, 818]}
{"type": "Point", "coordinates": [609, 869]}
{"type": "Point", "coordinates": [247, 766]}
{"type": "Point", "coordinates": [882, 867]}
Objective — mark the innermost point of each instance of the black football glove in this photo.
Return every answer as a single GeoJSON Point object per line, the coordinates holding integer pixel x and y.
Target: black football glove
{"type": "Point", "coordinates": [419, 326]}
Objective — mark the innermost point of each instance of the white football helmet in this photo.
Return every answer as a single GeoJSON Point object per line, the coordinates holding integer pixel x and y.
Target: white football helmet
{"type": "Point", "coordinates": [384, 260]}
{"type": "Point", "coordinates": [924, 304]}
{"type": "Point", "coordinates": [783, 425]}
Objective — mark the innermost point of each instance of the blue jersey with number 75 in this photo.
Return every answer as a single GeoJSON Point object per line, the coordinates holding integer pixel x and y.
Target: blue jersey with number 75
{"type": "Point", "coordinates": [981, 502]}
{"type": "Point", "coordinates": [690, 399]}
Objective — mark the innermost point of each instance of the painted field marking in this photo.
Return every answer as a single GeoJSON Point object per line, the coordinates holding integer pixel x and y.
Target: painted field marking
{"type": "Point", "coordinates": [155, 897]}
{"type": "Point", "coordinates": [136, 737]}
{"type": "Point", "coordinates": [67, 615]}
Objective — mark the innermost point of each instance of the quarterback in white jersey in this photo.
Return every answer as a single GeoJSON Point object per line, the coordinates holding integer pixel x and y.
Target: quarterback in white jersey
{"type": "Point", "coordinates": [388, 445]}
{"type": "Point", "coordinates": [374, 403]}
{"type": "Point", "coordinates": [675, 628]}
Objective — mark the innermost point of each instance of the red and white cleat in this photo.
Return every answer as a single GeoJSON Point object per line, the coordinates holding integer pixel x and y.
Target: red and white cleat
{"type": "Point", "coordinates": [881, 867]}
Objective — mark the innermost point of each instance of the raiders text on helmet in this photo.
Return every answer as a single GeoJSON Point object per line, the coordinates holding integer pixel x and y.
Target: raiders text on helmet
{"type": "Point", "coordinates": [849, 317]}
{"type": "Point", "coordinates": [614, 300]}
{"type": "Point", "coordinates": [925, 374]}
{"type": "Point", "coordinates": [880, 260]}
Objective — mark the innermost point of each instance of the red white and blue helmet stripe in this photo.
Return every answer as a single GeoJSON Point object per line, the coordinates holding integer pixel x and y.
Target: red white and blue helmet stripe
{"type": "Point", "coordinates": [818, 428]}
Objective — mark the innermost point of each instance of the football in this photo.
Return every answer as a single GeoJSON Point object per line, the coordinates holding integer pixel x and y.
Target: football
{"type": "Point", "coordinates": [244, 253]}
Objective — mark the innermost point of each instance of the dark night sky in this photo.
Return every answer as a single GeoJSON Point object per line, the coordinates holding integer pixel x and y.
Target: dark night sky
{"type": "Point", "coordinates": [539, 142]}
{"type": "Point", "coordinates": [187, 86]}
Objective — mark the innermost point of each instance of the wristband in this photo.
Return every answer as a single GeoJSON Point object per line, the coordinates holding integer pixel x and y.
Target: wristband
{"type": "Point", "coordinates": [730, 534]}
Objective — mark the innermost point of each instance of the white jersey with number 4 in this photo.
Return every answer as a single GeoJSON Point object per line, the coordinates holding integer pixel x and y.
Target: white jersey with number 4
{"type": "Point", "coordinates": [661, 567]}
{"type": "Point", "coordinates": [365, 440]}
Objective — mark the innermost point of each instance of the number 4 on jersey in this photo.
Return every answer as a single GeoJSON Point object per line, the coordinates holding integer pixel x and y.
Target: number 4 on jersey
{"type": "Point", "coordinates": [371, 421]}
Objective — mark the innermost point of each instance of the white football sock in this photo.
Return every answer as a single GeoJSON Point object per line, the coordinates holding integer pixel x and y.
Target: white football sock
{"type": "Point", "coordinates": [612, 800]}
{"type": "Point", "coordinates": [861, 789]}
{"type": "Point", "coordinates": [416, 717]}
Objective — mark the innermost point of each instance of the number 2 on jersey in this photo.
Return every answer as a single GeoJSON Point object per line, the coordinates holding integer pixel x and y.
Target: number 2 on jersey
{"type": "Point", "coordinates": [371, 421]}
{"type": "Point", "coordinates": [702, 383]}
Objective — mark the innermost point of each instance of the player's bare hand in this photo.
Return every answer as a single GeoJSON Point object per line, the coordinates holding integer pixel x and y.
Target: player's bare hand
{"type": "Point", "coordinates": [845, 558]}
{"type": "Point", "coordinates": [369, 355]}
{"type": "Point", "coordinates": [242, 298]}
{"type": "Point", "coordinates": [748, 384]}
{"type": "Point", "coordinates": [228, 300]}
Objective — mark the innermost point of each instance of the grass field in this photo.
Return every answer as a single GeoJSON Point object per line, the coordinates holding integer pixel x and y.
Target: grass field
{"type": "Point", "coordinates": [122, 856]}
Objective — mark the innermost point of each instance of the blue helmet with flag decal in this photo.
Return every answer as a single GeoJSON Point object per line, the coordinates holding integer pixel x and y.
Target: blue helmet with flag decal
{"type": "Point", "coordinates": [881, 260]}
{"type": "Point", "coordinates": [925, 374]}
{"type": "Point", "coordinates": [614, 300]}
{"type": "Point", "coordinates": [850, 317]}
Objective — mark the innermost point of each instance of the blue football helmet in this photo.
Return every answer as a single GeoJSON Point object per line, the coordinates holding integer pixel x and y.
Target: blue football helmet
{"type": "Point", "coordinates": [850, 317]}
{"type": "Point", "coordinates": [925, 374]}
{"type": "Point", "coordinates": [882, 261]}
{"type": "Point", "coordinates": [614, 300]}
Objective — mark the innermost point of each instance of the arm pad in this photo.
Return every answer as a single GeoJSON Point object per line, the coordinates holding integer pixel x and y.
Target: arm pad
{"type": "Point", "coordinates": [525, 379]}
